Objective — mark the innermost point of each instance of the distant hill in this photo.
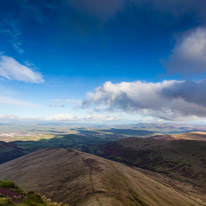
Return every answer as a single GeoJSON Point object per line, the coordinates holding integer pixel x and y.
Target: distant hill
{"type": "Point", "coordinates": [129, 132]}
{"type": "Point", "coordinates": [191, 136]}
{"type": "Point", "coordinates": [86, 143]}
{"type": "Point", "coordinates": [9, 151]}
{"type": "Point", "coordinates": [12, 195]}
{"type": "Point", "coordinates": [180, 159]}
{"type": "Point", "coordinates": [82, 179]}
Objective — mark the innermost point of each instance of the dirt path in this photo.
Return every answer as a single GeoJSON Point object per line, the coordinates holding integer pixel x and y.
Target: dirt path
{"type": "Point", "coordinates": [89, 163]}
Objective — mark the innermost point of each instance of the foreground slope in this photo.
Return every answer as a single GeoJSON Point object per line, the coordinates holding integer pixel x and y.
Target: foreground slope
{"type": "Point", "coordinates": [12, 195]}
{"type": "Point", "coordinates": [82, 179]}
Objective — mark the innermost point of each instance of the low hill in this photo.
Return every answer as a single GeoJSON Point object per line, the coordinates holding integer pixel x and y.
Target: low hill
{"type": "Point", "coordinates": [12, 195]}
{"type": "Point", "coordinates": [180, 159]}
{"type": "Point", "coordinates": [82, 179]}
{"type": "Point", "coordinates": [86, 143]}
{"type": "Point", "coordinates": [191, 136]}
{"type": "Point", "coordinates": [128, 132]}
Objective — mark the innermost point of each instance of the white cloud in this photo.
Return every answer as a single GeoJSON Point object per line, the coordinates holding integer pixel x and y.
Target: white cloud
{"type": "Point", "coordinates": [88, 117]}
{"type": "Point", "coordinates": [85, 118]}
{"type": "Point", "coordinates": [189, 54]}
{"type": "Point", "coordinates": [95, 116]}
{"type": "Point", "coordinates": [172, 100]}
{"type": "Point", "coordinates": [12, 70]}
{"type": "Point", "coordinates": [60, 117]}
{"type": "Point", "coordinates": [8, 117]}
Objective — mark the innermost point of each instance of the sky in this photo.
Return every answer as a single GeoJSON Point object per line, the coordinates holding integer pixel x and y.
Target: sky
{"type": "Point", "coordinates": [111, 61]}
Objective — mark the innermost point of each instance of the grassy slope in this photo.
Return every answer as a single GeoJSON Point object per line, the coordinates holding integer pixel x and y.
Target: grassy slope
{"type": "Point", "coordinates": [12, 195]}
{"type": "Point", "coordinates": [86, 180]}
{"type": "Point", "coordinates": [191, 136]}
{"type": "Point", "coordinates": [183, 159]}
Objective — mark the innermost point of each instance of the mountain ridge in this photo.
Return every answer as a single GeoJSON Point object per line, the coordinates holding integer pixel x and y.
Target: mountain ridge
{"type": "Point", "coordinates": [83, 179]}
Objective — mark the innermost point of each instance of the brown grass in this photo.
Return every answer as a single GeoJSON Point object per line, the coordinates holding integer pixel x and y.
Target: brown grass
{"type": "Point", "coordinates": [81, 179]}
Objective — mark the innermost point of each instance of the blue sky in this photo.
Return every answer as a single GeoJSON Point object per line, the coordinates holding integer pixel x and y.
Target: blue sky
{"type": "Point", "coordinates": [100, 61]}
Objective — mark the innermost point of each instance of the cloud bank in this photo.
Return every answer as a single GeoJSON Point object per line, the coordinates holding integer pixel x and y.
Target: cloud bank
{"type": "Point", "coordinates": [63, 117]}
{"type": "Point", "coordinates": [94, 117]}
{"type": "Point", "coordinates": [169, 100]}
{"type": "Point", "coordinates": [12, 70]}
{"type": "Point", "coordinates": [189, 53]}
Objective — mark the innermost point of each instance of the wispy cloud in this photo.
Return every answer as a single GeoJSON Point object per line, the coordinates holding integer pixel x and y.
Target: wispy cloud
{"type": "Point", "coordinates": [12, 33]}
{"type": "Point", "coordinates": [10, 101]}
{"type": "Point", "coordinates": [58, 103]}
{"type": "Point", "coordinates": [13, 70]}
{"type": "Point", "coordinates": [8, 117]}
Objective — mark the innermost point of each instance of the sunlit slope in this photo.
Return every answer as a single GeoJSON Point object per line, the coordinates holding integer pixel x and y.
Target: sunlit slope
{"type": "Point", "coordinates": [191, 136]}
{"type": "Point", "coordinates": [86, 180]}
